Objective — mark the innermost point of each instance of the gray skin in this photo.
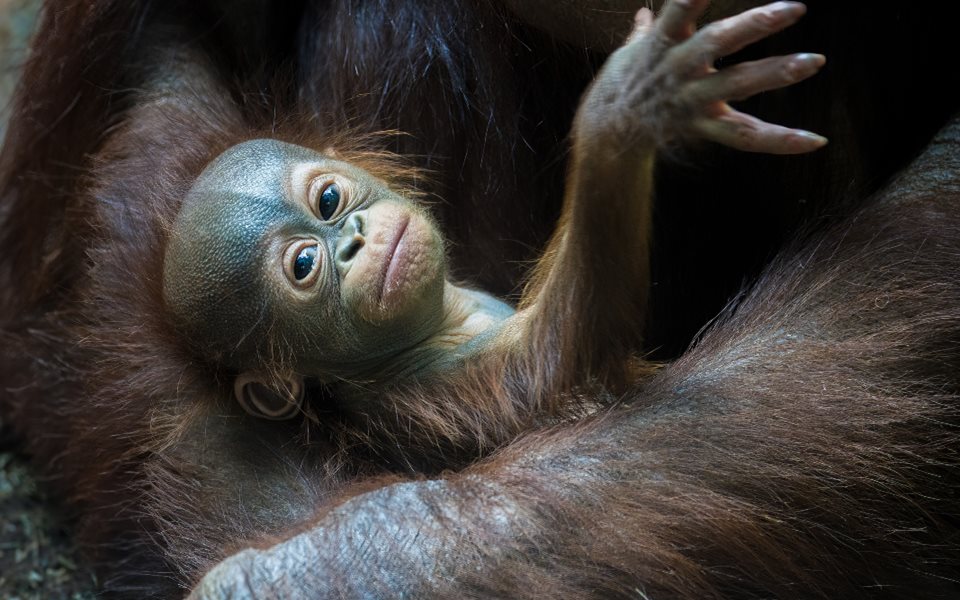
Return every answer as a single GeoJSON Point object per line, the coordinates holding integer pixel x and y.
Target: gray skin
{"type": "Point", "coordinates": [230, 279]}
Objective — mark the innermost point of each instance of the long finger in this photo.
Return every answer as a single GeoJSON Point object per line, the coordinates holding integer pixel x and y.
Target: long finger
{"type": "Point", "coordinates": [678, 19]}
{"type": "Point", "coordinates": [642, 24]}
{"type": "Point", "coordinates": [750, 134]}
{"type": "Point", "coordinates": [727, 36]}
{"type": "Point", "coordinates": [741, 81]}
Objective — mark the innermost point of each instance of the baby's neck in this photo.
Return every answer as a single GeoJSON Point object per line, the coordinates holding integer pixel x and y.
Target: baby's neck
{"type": "Point", "coordinates": [470, 319]}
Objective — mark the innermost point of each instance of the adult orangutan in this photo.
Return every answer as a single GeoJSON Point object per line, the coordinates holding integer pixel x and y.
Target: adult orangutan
{"type": "Point", "coordinates": [803, 447]}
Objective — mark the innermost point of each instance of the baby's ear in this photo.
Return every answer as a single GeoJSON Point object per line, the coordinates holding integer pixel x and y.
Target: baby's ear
{"type": "Point", "coordinates": [269, 397]}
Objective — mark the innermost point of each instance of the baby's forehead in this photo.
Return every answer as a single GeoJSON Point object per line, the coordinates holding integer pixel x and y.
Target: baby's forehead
{"type": "Point", "coordinates": [244, 190]}
{"type": "Point", "coordinates": [267, 168]}
{"type": "Point", "coordinates": [257, 165]}
{"type": "Point", "coordinates": [265, 149]}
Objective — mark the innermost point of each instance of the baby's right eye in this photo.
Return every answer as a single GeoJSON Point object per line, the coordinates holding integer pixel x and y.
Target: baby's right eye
{"type": "Point", "coordinates": [302, 262]}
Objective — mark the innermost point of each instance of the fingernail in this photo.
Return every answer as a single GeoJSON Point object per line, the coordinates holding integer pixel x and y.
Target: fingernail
{"type": "Point", "coordinates": [791, 8]}
{"type": "Point", "coordinates": [808, 59]}
{"type": "Point", "coordinates": [813, 137]}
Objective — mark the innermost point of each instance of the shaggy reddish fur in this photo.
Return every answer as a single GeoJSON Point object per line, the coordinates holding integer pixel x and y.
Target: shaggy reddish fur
{"type": "Point", "coordinates": [804, 447]}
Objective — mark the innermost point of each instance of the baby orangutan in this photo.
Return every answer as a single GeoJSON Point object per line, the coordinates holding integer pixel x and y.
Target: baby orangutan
{"type": "Point", "coordinates": [286, 264]}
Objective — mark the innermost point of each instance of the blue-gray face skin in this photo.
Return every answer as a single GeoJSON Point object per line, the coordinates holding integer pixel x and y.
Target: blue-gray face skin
{"type": "Point", "coordinates": [281, 253]}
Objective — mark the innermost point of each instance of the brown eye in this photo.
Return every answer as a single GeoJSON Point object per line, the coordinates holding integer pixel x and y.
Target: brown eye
{"type": "Point", "coordinates": [302, 262]}
{"type": "Point", "coordinates": [329, 199]}
{"type": "Point", "coordinates": [305, 262]}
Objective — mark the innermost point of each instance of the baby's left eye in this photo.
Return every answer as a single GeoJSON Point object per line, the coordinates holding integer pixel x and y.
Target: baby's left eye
{"type": "Point", "coordinates": [329, 201]}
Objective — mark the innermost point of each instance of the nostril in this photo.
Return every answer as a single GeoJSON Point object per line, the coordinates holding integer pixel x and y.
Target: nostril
{"type": "Point", "coordinates": [354, 223]}
{"type": "Point", "coordinates": [347, 253]}
{"type": "Point", "coordinates": [358, 224]}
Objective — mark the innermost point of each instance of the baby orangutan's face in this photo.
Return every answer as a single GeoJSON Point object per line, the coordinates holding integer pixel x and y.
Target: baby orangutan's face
{"type": "Point", "coordinates": [279, 247]}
